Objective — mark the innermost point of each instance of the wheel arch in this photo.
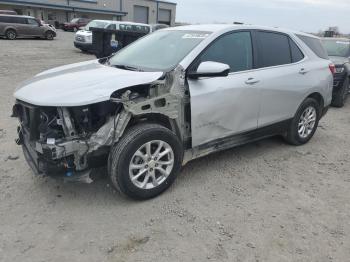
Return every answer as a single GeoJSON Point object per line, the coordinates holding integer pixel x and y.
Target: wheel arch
{"type": "Point", "coordinates": [10, 28]}
{"type": "Point", "coordinates": [318, 97]}
{"type": "Point", "coordinates": [155, 118]}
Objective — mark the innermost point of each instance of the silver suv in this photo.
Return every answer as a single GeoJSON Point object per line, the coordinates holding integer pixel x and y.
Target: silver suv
{"type": "Point", "coordinates": [13, 26]}
{"type": "Point", "coordinates": [170, 97]}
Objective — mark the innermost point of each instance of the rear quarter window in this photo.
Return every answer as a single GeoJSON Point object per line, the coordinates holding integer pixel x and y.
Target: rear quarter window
{"type": "Point", "coordinates": [297, 55]}
{"type": "Point", "coordinates": [315, 45]}
{"type": "Point", "coordinates": [6, 19]}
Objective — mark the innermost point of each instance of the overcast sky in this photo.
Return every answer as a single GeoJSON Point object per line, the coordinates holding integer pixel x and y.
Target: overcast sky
{"type": "Point", "coordinates": [304, 15]}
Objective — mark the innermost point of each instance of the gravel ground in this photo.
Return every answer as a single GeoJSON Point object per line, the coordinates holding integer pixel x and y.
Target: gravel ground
{"type": "Point", "coordinates": [266, 201]}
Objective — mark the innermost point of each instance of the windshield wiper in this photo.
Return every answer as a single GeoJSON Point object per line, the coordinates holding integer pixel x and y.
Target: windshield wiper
{"type": "Point", "coordinates": [125, 67]}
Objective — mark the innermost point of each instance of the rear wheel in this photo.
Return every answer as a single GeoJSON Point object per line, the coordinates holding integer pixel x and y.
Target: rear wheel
{"type": "Point", "coordinates": [341, 95]}
{"type": "Point", "coordinates": [304, 123]}
{"type": "Point", "coordinates": [146, 161]}
{"type": "Point", "coordinates": [11, 34]}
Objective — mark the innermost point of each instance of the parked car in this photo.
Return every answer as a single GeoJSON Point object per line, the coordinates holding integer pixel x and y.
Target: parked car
{"type": "Point", "coordinates": [75, 24]}
{"type": "Point", "coordinates": [8, 12]}
{"type": "Point", "coordinates": [338, 50]}
{"type": "Point", "coordinates": [13, 26]}
{"type": "Point", "coordinates": [83, 38]}
{"type": "Point", "coordinates": [170, 97]}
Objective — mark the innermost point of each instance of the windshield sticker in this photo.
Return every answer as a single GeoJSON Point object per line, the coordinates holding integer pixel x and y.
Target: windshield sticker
{"type": "Point", "coordinates": [343, 43]}
{"type": "Point", "coordinates": [195, 36]}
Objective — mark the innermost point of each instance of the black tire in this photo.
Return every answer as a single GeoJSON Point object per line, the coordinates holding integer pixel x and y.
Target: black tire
{"type": "Point", "coordinates": [11, 34]}
{"type": "Point", "coordinates": [49, 35]}
{"type": "Point", "coordinates": [122, 154]}
{"type": "Point", "coordinates": [340, 96]}
{"type": "Point", "coordinates": [293, 137]}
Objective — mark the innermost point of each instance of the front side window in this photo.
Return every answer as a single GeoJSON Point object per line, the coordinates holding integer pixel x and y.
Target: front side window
{"type": "Point", "coordinates": [273, 49]}
{"type": "Point", "coordinates": [32, 22]}
{"type": "Point", "coordinates": [234, 49]}
{"type": "Point", "coordinates": [160, 51]}
{"type": "Point", "coordinates": [337, 47]}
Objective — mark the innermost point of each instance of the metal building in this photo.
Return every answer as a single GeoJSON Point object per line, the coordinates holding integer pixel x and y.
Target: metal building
{"type": "Point", "coordinates": [60, 11]}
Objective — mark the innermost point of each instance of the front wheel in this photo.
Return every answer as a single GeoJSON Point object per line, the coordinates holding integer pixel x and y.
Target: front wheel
{"type": "Point", "coordinates": [146, 161]}
{"type": "Point", "coordinates": [304, 123]}
{"type": "Point", "coordinates": [49, 35]}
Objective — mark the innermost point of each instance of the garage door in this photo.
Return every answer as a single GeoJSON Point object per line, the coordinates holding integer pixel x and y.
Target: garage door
{"type": "Point", "coordinates": [164, 16]}
{"type": "Point", "coordinates": [140, 14]}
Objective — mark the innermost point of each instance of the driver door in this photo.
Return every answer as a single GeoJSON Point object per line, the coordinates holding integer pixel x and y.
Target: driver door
{"type": "Point", "coordinates": [225, 106]}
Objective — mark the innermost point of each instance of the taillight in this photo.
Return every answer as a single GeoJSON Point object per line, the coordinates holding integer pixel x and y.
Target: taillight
{"type": "Point", "coordinates": [332, 68]}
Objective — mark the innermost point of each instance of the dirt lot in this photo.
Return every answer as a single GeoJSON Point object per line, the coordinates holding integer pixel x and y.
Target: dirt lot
{"type": "Point", "coordinates": [266, 201]}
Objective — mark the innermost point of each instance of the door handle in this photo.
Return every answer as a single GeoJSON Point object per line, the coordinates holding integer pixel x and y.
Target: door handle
{"type": "Point", "coordinates": [303, 71]}
{"type": "Point", "coordinates": [252, 81]}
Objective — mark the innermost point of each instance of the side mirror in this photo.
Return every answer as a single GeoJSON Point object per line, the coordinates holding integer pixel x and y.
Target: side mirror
{"type": "Point", "coordinates": [210, 69]}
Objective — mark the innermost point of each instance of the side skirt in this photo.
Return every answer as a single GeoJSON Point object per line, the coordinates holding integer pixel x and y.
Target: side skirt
{"type": "Point", "coordinates": [237, 140]}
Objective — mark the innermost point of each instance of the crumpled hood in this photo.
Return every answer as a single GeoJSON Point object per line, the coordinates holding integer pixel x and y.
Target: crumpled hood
{"type": "Point", "coordinates": [80, 84]}
{"type": "Point", "coordinates": [338, 60]}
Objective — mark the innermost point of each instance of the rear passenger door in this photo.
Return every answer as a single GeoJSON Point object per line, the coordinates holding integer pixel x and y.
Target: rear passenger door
{"type": "Point", "coordinates": [282, 75]}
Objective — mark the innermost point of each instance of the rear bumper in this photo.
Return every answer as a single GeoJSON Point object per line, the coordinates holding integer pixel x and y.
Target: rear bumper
{"type": "Point", "coordinates": [83, 46]}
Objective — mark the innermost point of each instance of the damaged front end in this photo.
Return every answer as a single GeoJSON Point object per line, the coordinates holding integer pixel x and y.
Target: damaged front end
{"type": "Point", "coordinates": [71, 141]}
{"type": "Point", "coordinates": [60, 141]}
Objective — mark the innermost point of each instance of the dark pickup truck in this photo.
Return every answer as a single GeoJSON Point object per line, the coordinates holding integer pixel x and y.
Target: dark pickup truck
{"type": "Point", "coordinates": [338, 50]}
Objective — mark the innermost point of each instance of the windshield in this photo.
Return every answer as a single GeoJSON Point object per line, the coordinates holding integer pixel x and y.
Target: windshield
{"type": "Point", "coordinates": [160, 51]}
{"type": "Point", "coordinates": [75, 20]}
{"type": "Point", "coordinates": [337, 47]}
{"type": "Point", "coordinates": [96, 24]}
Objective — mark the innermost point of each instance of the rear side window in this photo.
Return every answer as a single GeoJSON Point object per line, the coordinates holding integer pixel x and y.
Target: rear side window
{"type": "Point", "coordinates": [315, 45]}
{"type": "Point", "coordinates": [233, 49]}
{"type": "Point", "coordinates": [12, 19]}
{"type": "Point", "coordinates": [6, 19]}
{"type": "Point", "coordinates": [297, 55]}
{"type": "Point", "coordinates": [273, 49]}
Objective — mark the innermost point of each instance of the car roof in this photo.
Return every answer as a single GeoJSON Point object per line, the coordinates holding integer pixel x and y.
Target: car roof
{"type": "Point", "coordinates": [23, 16]}
{"type": "Point", "coordinates": [223, 27]}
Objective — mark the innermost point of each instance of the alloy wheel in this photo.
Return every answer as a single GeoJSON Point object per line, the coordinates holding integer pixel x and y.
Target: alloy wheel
{"type": "Point", "coordinates": [151, 164]}
{"type": "Point", "coordinates": [307, 122]}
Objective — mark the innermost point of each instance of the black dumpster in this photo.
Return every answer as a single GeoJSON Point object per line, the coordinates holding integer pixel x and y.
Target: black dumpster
{"type": "Point", "coordinates": [107, 41]}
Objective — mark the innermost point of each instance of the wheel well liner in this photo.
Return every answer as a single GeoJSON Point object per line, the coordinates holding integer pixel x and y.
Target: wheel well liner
{"type": "Point", "coordinates": [157, 119]}
{"type": "Point", "coordinates": [319, 98]}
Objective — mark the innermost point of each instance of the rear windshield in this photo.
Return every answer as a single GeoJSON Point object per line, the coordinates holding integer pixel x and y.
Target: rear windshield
{"type": "Point", "coordinates": [315, 45]}
{"type": "Point", "coordinates": [337, 47]}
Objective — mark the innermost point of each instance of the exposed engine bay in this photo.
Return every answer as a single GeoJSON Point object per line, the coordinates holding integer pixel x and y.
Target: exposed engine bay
{"type": "Point", "coordinates": [74, 140]}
